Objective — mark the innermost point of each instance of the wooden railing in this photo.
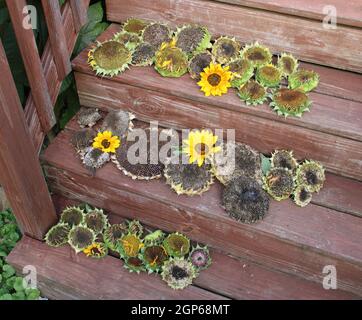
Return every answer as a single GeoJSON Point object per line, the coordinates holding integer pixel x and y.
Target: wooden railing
{"type": "Point", "coordinates": [22, 131]}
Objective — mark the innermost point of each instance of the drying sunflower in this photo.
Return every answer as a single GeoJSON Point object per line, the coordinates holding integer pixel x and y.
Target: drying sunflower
{"type": "Point", "coordinates": [106, 142]}
{"type": "Point", "coordinates": [96, 250]}
{"type": "Point", "coordinates": [215, 80]}
{"type": "Point", "coordinates": [200, 145]}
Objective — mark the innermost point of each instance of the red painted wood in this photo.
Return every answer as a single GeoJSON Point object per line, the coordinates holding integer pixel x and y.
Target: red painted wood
{"type": "Point", "coordinates": [57, 38]}
{"type": "Point", "coordinates": [79, 14]}
{"type": "Point", "coordinates": [62, 274]}
{"type": "Point", "coordinates": [20, 174]}
{"type": "Point", "coordinates": [347, 14]}
{"type": "Point", "coordinates": [339, 155]}
{"type": "Point", "coordinates": [305, 38]}
{"type": "Point", "coordinates": [295, 240]}
{"type": "Point", "coordinates": [50, 72]}
{"type": "Point", "coordinates": [35, 73]}
{"type": "Point", "coordinates": [242, 278]}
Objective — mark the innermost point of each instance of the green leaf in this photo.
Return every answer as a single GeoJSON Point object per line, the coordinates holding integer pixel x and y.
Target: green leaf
{"type": "Point", "coordinates": [32, 294]}
{"type": "Point", "coordinates": [18, 284]}
{"type": "Point", "coordinates": [265, 164]}
{"type": "Point", "coordinates": [18, 296]}
{"type": "Point", "coordinates": [8, 271]}
{"type": "Point", "coordinates": [6, 297]}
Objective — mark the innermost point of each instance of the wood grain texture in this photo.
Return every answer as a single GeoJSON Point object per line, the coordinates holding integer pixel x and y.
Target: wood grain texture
{"type": "Point", "coordinates": [57, 38]}
{"type": "Point", "coordinates": [340, 155]}
{"type": "Point", "coordinates": [350, 15]}
{"type": "Point", "coordinates": [79, 14]}
{"type": "Point", "coordinates": [239, 278]}
{"type": "Point", "coordinates": [305, 38]}
{"type": "Point", "coordinates": [294, 240]}
{"type": "Point", "coordinates": [34, 70]}
{"type": "Point", "coordinates": [51, 77]}
{"type": "Point", "coordinates": [333, 82]}
{"type": "Point", "coordinates": [20, 172]}
{"type": "Point", "coordinates": [95, 279]}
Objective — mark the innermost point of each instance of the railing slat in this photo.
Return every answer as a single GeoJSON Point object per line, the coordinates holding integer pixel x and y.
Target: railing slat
{"type": "Point", "coordinates": [79, 14]}
{"type": "Point", "coordinates": [57, 37]}
{"type": "Point", "coordinates": [20, 173]}
{"type": "Point", "coordinates": [29, 52]}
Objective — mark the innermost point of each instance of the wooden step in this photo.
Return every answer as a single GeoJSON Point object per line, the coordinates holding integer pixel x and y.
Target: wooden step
{"type": "Point", "coordinates": [298, 241]}
{"type": "Point", "coordinates": [329, 133]}
{"type": "Point", "coordinates": [306, 38]}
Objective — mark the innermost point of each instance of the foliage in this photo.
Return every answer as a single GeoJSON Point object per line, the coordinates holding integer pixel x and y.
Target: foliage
{"type": "Point", "coordinates": [11, 286]}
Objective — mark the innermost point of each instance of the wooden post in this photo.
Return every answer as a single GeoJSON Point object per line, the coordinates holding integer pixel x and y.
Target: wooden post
{"type": "Point", "coordinates": [57, 38]}
{"type": "Point", "coordinates": [79, 11]}
{"type": "Point", "coordinates": [33, 66]}
{"type": "Point", "coordinates": [20, 172]}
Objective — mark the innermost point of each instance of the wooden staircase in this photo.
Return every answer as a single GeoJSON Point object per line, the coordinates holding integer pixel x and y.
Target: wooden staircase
{"type": "Point", "coordinates": [283, 256]}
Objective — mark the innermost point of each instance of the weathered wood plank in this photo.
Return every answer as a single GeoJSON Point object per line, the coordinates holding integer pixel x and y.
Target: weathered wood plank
{"type": "Point", "coordinates": [82, 278]}
{"type": "Point", "coordinates": [20, 173]}
{"type": "Point", "coordinates": [34, 70]}
{"type": "Point", "coordinates": [305, 38]}
{"type": "Point", "coordinates": [350, 15]}
{"type": "Point", "coordinates": [50, 72]}
{"type": "Point", "coordinates": [294, 240]}
{"type": "Point", "coordinates": [239, 278]}
{"type": "Point", "coordinates": [57, 38]}
{"type": "Point", "coordinates": [333, 82]}
{"type": "Point", "coordinates": [79, 14]}
{"type": "Point", "coordinates": [339, 155]}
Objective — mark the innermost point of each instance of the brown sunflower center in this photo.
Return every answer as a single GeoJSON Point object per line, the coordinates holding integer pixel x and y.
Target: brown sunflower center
{"type": "Point", "coordinates": [105, 143]}
{"type": "Point", "coordinates": [270, 72]}
{"type": "Point", "coordinates": [303, 195]}
{"type": "Point", "coordinates": [179, 273]}
{"type": "Point", "coordinates": [288, 65]}
{"type": "Point", "coordinates": [228, 49]}
{"type": "Point", "coordinates": [96, 251]}
{"type": "Point", "coordinates": [214, 79]}
{"type": "Point", "coordinates": [134, 261]}
{"type": "Point", "coordinates": [256, 55]}
{"type": "Point", "coordinates": [311, 177]}
{"type": "Point", "coordinates": [111, 55]}
{"type": "Point", "coordinates": [202, 148]}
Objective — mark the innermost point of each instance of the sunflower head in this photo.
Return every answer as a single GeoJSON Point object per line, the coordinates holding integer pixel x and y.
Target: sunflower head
{"type": "Point", "coordinates": [236, 159]}
{"type": "Point", "coordinates": [198, 63]}
{"type": "Point", "coordinates": [135, 227]}
{"type": "Point", "coordinates": [289, 102]}
{"type": "Point", "coordinates": [279, 183]}
{"type": "Point", "coordinates": [287, 64]}
{"type": "Point", "coordinates": [80, 238]}
{"type": "Point", "coordinates": [130, 245]}
{"type": "Point", "coordinates": [57, 235]}
{"type": "Point", "coordinates": [302, 196]}
{"type": "Point", "coordinates": [88, 117]}
{"type": "Point", "coordinates": [113, 234]}
{"type": "Point", "coordinates": [252, 93]}
{"type": "Point", "coordinates": [257, 54]}
{"type": "Point", "coordinates": [130, 40]}
{"type": "Point", "coordinates": [156, 34]}
{"type": "Point", "coordinates": [154, 256]}
{"type": "Point", "coordinates": [154, 238]}
{"type": "Point", "coordinates": [178, 273]}
{"type": "Point", "coordinates": [96, 221]}
{"type": "Point", "coordinates": [94, 158]}
{"type": "Point", "coordinates": [171, 61]}
{"type": "Point", "coordinates": [269, 76]}
{"type": "Point", "coordinates": [134, 264]}
{"type": "Point", "coordinates": [96, 250]}
{"type": "Point", "coordinates": [311, 175]}
{"type": "Point", "coordinates": [242, 71]}
{"type": "Point", "coordinates": [284, 159]}
{"type": "Point", "coordinates": [118, 122]}
{"type": "Point", "coordinates": [109, 58]}
{"type": "Point", "coordinates": [225, 49]}
{"type": "Point", "coordinates": [200, 257]}
{"type": "Point", "coordinates": [188, 179]}
{"type": "Point", "coordinates": [82, 139]}
{"type": "Point", "coordinates": [106, 142]}
{"type": "Point", "coordinates": [73, 216]}
{"type": "Point", "coordinates": [134, 25]}
{"type": "Point", "coordinates": [215, 80]}
{"type": "Point", "coordinates": [143, 55]}
{"type": "Point", "coordinates": [244, 200]}
{"type": "Point", "coordinates": [192, 39]}
{"type": "Point", "coordinates": [176, 245]}
{"type": "Point", "coordinates": [200, 146]}
{"type": "Point", "coordinates": [304, 80]}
